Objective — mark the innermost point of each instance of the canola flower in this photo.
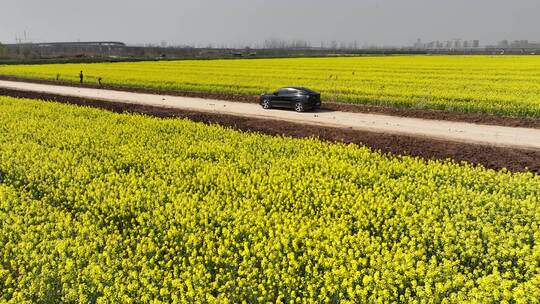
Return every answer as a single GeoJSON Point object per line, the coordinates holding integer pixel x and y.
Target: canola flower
{"type": "Point", "coordinates": [503, 85]}
{"type": "Point", "coordinates": [98, 207]}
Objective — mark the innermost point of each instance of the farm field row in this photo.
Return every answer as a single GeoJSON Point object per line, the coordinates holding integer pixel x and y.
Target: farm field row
{"type": "Point", "coordinates": [126, 208]}
{"type": "Point", "coordinates": [504, 85]}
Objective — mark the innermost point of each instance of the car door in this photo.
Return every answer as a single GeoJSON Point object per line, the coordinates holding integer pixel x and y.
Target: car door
{"type": "Point", "coordinates": [282, 98]}
{"type": "Point", "coordinates": [292, 98]}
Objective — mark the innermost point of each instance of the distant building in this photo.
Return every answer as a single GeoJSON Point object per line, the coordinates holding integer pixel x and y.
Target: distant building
{"type": "Point", "coordinates": [520, 43]}
{"type": "Point", "coordinates": [503, 43]}
{"type": "Point", "coordinates": [533, 45]}
{"type": "Point", "coordinates": [65, 49]}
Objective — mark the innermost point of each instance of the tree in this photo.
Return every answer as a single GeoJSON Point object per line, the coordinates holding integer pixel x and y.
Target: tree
{"type": "Point", "coordinates": [3, 51]}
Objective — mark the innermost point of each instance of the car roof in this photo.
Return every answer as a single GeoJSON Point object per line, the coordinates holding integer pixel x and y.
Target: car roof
{"type": "Point", "coordinates": [300, 89]}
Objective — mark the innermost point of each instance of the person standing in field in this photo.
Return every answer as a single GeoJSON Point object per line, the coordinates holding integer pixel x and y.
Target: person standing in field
{"type": "Point", "coordinates": [81, 77]}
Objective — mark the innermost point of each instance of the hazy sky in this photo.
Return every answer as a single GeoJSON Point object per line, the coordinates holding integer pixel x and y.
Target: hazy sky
{"type": "Point", "coordinates": [381, 22]}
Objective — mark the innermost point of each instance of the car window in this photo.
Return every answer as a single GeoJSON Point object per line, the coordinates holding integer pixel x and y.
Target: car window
{"type": "Point", "coordinates": [308, 91]}
{"type": "Point", "coordinates": [305, 90]}
{"type": "Point", "coordinates": [284, 92]}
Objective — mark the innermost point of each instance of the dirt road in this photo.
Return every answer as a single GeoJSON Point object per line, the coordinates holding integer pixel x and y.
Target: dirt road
{"type": "Point", "coordinates": [453, 131]}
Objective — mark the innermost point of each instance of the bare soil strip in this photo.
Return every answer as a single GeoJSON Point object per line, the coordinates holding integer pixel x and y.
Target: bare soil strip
{"type": "Point", "coordinates": [515, 160]}
{"type": "Point", "coordinates": [478, 118]}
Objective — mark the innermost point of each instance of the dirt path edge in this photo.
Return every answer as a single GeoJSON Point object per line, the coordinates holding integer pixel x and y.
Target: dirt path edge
{"type": "Point", "coordinates": [478, 118]}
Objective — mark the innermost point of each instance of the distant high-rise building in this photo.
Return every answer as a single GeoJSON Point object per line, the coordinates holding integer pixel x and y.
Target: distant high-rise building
{"type": "Point", "coordinates": [520, 43]}
{"type": "Point", "coordinates": [476, 43]}
{"type": "Point", "coordinates": [503, 43]}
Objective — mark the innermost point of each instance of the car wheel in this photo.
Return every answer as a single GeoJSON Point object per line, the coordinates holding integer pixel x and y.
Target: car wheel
{"type": "Point", "coordinates": [266, 104]}
{"type": "Point", "coordinates": [299, 107]}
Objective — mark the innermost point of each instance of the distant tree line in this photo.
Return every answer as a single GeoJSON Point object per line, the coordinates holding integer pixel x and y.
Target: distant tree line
{"type": "Point", "coordinates": [276, 43]}
{"type": "Point", "coordinates": [20, 52]}
{"type": "Point", "coordinates": [3, 52]}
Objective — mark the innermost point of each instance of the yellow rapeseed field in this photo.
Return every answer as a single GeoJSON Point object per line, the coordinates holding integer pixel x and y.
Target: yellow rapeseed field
{"type": "Point", "coordinates": [505, 85]}
{"type": "Point", "coordinates": [97, 207]}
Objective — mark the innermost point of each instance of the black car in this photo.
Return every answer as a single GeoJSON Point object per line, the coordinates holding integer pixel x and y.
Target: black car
{"type": "Point", "coordinates": [297, 98]}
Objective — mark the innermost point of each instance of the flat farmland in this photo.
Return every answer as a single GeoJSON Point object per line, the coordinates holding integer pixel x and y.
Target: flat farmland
{"type": "Point", "coordinates": [107, 207]}
{"type": "Point", "coordinates": [502, 85]}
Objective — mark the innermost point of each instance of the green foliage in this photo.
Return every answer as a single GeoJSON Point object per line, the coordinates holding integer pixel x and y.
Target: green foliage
{"type": "Point", "coordinates": [103, 207]}
{"type": "Point", "coordinates": [505, 85]}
